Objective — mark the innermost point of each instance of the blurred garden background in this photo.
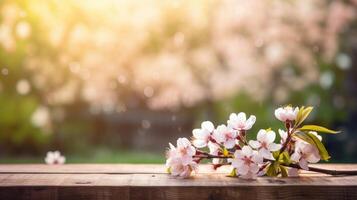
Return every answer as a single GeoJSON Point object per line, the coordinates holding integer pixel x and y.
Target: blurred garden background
{"type": "Point", "coordinates": [116, 80]}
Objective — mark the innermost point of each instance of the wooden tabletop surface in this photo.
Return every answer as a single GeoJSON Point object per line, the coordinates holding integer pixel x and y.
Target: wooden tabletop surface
{"type": "Point", "coordinates": [149, 181]}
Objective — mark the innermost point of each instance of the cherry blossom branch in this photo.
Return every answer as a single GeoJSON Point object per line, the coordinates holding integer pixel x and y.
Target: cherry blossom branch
{"type": "Point", "coordinates": [288, 139]}
{"type": "Point", "coordinates": [209, 156]}
{"type": "Point", "coordinates": [229, 141]}
{"type": "Point", "coordinates": [332, 172]}
{"type": "Point", "coordinates": [314, 169]}
{"type": "Point", "coordinates": [205, 155]}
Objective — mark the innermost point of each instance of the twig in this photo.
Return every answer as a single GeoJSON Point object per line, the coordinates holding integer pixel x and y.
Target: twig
{"type": "Point", "coordinates": [209, 156]}
{"type": "Point", "coordinates": [327, 171]}
{"type": "Point", "coordinates": [332, 172]}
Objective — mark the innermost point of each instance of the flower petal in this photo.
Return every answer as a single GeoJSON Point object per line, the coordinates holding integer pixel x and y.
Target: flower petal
{"type": "Point", "coordinates": [295, 157]}
{"type": "Point", "coordinates": [242, 117]}
{"type": "Point", "coordinates": [247, 151]}
{"type": "Point", "coordinates": [270, 136]}
{"type": "Point", "coordinates": [266, 154]}
{"type": "Point", "coordinates": [254, 168]}
{"type": "Point", "coordinates": [207, 125]}
{"type": "Point", "coordinates": [196, 133]}
{"type": "Point", "coordinates": [283, 134]}
{"type": "Point", "coordinates": [243, 169]}
{"type": "Point", "coordinates": [250, 122]}
{"type": "Point", "coordinates": [274, 147]}
{"type": "Point", "coordinates": [199, 143]}
{"type": "Point", "coordinates": [261, 135]}
{"type": "Point", "coordinates": [230, 144]}
{"type": "Point", "coordinates": [278, 112]}
{"type": "Point", "coordinates": [254, 144]}
{"type": "Point", "coordinates": [303, 164]}
{"type": "Point", "coordinates": [183, 142]}
{"type": "Point", "coordinates": [238, 154]}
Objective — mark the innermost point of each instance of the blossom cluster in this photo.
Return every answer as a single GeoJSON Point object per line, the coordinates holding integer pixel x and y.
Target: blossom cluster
{"type": "Point", "coordinates": [54, 158]}
{"type": "Point", "coordinates": [227, 144]}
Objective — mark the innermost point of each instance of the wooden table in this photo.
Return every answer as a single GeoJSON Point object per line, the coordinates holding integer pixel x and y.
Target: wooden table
{"type": "Point", "coordinates": [123, 181]}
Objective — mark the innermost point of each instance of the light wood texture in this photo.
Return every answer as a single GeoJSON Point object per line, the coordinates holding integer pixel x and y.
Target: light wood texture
{"type": "Point", "coordinates": [123, 181]}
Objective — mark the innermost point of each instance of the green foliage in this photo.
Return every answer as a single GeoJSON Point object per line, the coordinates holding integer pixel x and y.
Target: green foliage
{"type": "Point", "coordinates": [316, 128]}
{"type": "Point", "coordinates": [283, 170]}
{"type": "Point", "coordinates": [277, 167]}
{"type": "Point", "coordinates": [273, 169]}
{"type": "Point", "coordinates": [16, 128]}
{"type": "Point", "coordinates": [302, 115]}
{"type": "Point", "coordinates": [233, 173]}
{"type": "Point", "coordinates": [284, 158]}
{"type": "Point", "coordinates": [93, 155]}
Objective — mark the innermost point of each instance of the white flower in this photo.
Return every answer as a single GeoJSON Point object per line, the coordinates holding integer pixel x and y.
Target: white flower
{"type": "Point", "coordinates": [283, 136]}
{"type": "Point", "coordinates": [214, 148]}
{"type": "Point", "coordinates": [265, 143]}
{"type": "Point", "coordinates": [240, 122]}
{"type": "Point", "coordinates": [226, 136]}
{"type": "Point", "coordinates": [202, 136]}
{"type": "Point", "coordinates": [184, 150]}
{"type": "Point", "coordinates": [305, 153]}
{"type": "Point", "coordinates": [246, 161]}
{"type": "Point", "coordinates": [178, 168]}
{"type": "Point", "coordinates": [317, 135]}
{"type": "Point", "coordinates": [286, 113]}
{"type": "Point", "coordinates": [180, 159]}
{"type": "Point", "coordinates": [54, 157]}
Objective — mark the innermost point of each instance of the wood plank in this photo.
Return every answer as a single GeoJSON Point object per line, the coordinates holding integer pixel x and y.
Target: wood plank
{"type": "Point", "coordinates": [126, 168]}
{"type": "Point", "coordinates": [184, 193]}
{"type": "Point", "coordinates": [150, 182]}
{"type": "Point", "coordinates": [160, 180]}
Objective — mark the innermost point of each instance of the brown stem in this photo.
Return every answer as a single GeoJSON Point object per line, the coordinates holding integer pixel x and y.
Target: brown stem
{"type": "Point", "coordinates": [209, 156]}
{"type": "Point", "coordinates": [288, 139]}
{"type": "Point", "coordinates": [327, 171]}
{"type": "Point", "coordinates": [313, 169]}
{"type": "Point", "coordinates": [242, 135]}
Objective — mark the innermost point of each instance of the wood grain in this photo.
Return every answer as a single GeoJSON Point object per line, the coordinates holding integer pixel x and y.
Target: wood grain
{"type": "Point", "coordinates": [150, 182]}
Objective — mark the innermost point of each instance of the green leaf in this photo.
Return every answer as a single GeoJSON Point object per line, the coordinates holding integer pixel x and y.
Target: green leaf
{"type": "Point", "coordinates": [302, 115]}
{"type": "Point", "coordinates": [285, 158]}
{"type": "Point", "coordinates": [284, 171]}
{"type": "Point", "coordinates": [312, 139]}
{"type": "Point", "coordinates": [322, 150]}
{"type": "Point", "coordinates": [273, 169]}
{"type": "Point", "coordinates": [317, 129]}
{"type": "Point", "coordinates": [168, 170]}
{"type": "Point", "coordinates": [276, 154]}
{"type": "Point", "coordinates": [303, 136]}
{"type": "Point", "coordinates": [233, 173]}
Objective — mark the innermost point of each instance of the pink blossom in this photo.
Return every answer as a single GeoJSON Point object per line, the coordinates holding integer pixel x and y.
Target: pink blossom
{"type": "Point", "coordinates": [246, 162]}
{"type": "Point", "coordinates": [305, 153]}
{"type": "Point", "coordinates": [287, 113]}
{"type": "Point", "coordinates": [54, 158]}
{"type": "Point", "coordinates": [226, 136]}
{"type": "Point", "coordinates": [265, 143]}
{"type": "Point", "coordinates": [178, 168]}
{"type": "Point", "coordinates": [180, 159]}
{"type": "Point", "coordinates": [202, 135]}
{"type": "Point", "coordinates": [240, 122]}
